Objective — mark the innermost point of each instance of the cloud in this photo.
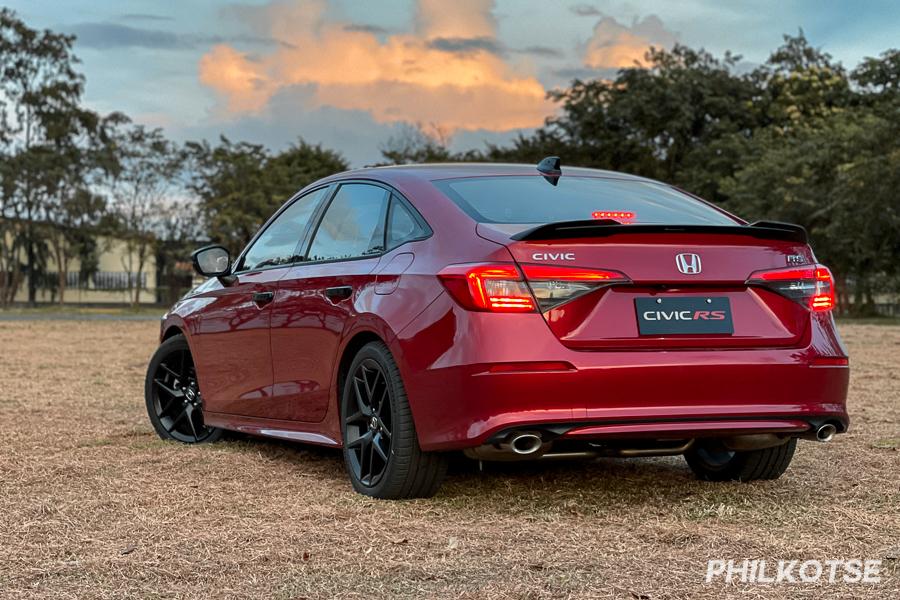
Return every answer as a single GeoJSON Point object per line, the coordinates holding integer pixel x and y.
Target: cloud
{"type": "Point", "coordinates": [455, 18]}
{"type": "Point", "coordinates": [615, 45]}
{"type": "Point", "coordinates": [144, 17]}
{"type": "Point", "coordinates": [362, 28]}
{"type": "Point", "coordinates": [449, 70]}
{"type": "Point", "coordinates": [541, 51]}
{"type": "Point", "coordinates": [585, 10]}
{"type": "Point", "coordinates": [104, 36]}
{"type": "Point", "coordinates": [110, 35]}
{"type": "Point", "coordinates": [465, 45]}
{"type": "Point", "coordinates": [293, 111]}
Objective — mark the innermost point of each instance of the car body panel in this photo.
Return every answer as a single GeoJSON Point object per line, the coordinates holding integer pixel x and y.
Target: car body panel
{"type": "Point", "coordinates": [307, 329]}
{"type": "Point", "coordinates": [234, 360]}
{"type": "Point", "coordinates": [448, 351]}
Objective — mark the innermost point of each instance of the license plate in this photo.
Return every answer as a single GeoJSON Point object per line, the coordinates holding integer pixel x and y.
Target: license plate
{"type": "Point", "coordinates": [694, 315]}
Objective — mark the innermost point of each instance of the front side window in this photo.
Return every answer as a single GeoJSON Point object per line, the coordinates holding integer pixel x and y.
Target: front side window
{"type": "Point", "coordinates": [353, 225]}
{"type": "Point", "coordinates": [278, 244]}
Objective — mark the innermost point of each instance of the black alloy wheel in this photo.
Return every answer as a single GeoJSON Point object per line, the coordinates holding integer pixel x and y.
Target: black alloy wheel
{"type": "Point", "coordinates": [381, 448]}
{"type": "Point", "coordinates": [173, 396]}
{"type": "Point", "coordinates": [369, 422]}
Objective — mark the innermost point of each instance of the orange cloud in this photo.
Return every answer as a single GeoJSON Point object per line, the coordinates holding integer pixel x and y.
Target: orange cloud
{"type": "Point", "coordinates": [455, 18]}
{"type": "Point", "coordinates": [446, 72]}
{"type": "Point", "coordinates": [614, 45]}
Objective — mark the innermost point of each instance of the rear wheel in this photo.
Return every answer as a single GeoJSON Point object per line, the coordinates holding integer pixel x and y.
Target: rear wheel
{"type": "Point", "coordinates": [712, 461]}
{"type": "Point", "coordinates": [173, 397]}
{"type": "Point", "coordinates": [381, 449]}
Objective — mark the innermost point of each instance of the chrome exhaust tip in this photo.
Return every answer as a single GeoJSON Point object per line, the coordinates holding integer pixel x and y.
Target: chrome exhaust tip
{"type": "Point", "coordinates": [525, 444]}
{"type": "Point", "coordinates": [516, 446]}
{"type": "Point", "coordinates": [826, 432]}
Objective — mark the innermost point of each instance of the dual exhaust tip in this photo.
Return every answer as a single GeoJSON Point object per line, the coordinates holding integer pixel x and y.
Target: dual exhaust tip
{"type": "Point", "coordinates": [525, 444]}
{"type": "Point", "coordinates": [825, 433]}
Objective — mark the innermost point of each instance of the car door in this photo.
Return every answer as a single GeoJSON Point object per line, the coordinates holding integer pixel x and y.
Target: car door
{"type": "Point", "coordinates": [317, 297]}
{"type": "Point", "coordinates": [235, 358]}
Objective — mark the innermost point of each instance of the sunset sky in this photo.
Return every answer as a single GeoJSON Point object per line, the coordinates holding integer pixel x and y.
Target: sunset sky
{"type": "Point", "coordinates": [346, 73]}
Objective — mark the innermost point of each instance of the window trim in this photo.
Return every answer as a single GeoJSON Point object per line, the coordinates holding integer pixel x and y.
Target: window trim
{"type": "Point", "coordinates": [326, 199]}
{"type": "Point", "coordinates": [392, 193]}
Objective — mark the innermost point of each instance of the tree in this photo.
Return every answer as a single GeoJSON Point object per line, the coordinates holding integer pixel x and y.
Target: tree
{"type": "Point", "coordinates": [799, 84]}
{"type": "Point", "coordinates": [413, 144]}
{"type": "Point", "coordinates": [10, 235]}
{"type": "Point", "coordinates": [240, 185]}
{"type": "Point", "coordinates": [39, 114]}
{"type": "Point", "coordinates": [838, 179]}
{"type": "Point", "coordinates": [674, 119]}
{"type": "Point", "coordinates": [141, 179]}
{"type": "Point", "coordinates": [73, 208]}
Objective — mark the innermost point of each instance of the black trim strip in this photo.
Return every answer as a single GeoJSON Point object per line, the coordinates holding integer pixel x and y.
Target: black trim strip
{"type": "Point", "coordinates": [557, 429]}
{"type": "Point", "coordinates": [769, 230]}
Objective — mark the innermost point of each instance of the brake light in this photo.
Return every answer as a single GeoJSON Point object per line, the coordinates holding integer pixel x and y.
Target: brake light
{"type": "Point", "coordinates": [811, 286]}
{"type": "Point", "coordinates": [616, 215]}
{"type": "Point", "coordinates": [495, 288]}
{"type": "Point", "coordinates": [502, 288]}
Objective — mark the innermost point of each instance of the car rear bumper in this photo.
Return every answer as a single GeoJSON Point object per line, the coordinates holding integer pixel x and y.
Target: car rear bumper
{"type": "Point", "coordinates": [459, 399]}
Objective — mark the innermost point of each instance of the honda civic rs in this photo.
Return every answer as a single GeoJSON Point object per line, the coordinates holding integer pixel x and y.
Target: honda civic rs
{"type": "Point", "coordinates": [508, 312]}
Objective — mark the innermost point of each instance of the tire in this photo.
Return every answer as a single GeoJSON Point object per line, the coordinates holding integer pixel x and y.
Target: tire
{"type": "Point", "coordinates": [172, 395]}
{"type": "Point", "coordinates": [711, 461]}
{"type": "Point", "coordinates": [381, 449]}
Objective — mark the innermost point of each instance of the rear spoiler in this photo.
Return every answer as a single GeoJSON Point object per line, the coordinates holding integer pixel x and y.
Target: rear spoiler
{"type": "Point", "coordinates": [768, 230]}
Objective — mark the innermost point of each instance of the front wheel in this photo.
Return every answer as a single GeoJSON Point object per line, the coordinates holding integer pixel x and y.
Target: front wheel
{"type": "Point", "coordinates": [173, 397]}
{"type": "Point", "coordinates": [712, 461]}
{"type": "Point", "coordinates": [381, 449]}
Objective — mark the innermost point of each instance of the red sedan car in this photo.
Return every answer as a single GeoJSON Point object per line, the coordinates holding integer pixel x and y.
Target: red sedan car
{"type": "Point", "coordinates": [512, 312]}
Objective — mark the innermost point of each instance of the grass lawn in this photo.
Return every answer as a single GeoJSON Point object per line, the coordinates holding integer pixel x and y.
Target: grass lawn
{"type": "Point", "coordinates": [75, 311]}
{"type": "Point", "coordinates": [93, 505]}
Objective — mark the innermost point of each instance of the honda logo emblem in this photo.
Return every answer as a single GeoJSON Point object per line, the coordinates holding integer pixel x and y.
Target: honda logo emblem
{"type": "Point", "coordinates": [689, 264]}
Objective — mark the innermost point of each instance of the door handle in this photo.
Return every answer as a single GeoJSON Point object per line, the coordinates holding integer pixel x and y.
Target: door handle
{"type": "Point", "coordinates": [263, 297]}
{"type": "Point", "coordinates": [336, 294]}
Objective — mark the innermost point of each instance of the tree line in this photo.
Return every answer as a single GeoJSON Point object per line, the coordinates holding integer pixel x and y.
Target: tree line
{"type": "Point", "coordinates": [798, 138]}
{"type": "Point", "coordinates": [71, 178]}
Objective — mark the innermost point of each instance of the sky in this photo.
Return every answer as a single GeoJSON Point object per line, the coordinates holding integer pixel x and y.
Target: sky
{"type": "Point", "coordinates": [348, 74]}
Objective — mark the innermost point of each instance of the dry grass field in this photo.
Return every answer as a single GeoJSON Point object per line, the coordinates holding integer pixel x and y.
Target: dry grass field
{"type": "Point", "coordinates": [93, 505]}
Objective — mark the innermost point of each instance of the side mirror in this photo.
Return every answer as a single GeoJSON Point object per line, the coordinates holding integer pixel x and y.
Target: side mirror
{"type": "Point", "coordinates": [211, 261]}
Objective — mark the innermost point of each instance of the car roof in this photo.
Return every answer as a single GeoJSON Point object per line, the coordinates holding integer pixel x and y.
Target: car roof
{"type": "Point", "coordinates": [436, 171]}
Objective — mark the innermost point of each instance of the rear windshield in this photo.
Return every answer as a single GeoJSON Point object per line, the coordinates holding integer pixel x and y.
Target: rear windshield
{"type": "Point", "coordinates": [532, 199]}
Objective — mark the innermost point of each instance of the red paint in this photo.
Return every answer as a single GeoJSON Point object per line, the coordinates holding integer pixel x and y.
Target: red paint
{"type": "Point", "coordinates": [471, 371]}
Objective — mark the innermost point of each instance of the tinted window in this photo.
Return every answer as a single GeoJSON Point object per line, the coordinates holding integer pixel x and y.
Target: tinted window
{"type": "Point", "coordinates": [402, 226]}
{"type": "Point", "coordinates": [353, 225]}
{"type": "Point", "coordinates": [277, 245]}
{"type": "Point", "coordinates": [526, 199]}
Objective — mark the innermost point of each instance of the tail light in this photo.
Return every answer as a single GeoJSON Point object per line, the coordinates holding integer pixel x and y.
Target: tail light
{"type": "Point", "coordinates": [811, 286]}
{"type": "Point", "coordinates": [497, 288]}
{"type": "Point", "coordinates": [502, 287]}
{"type": "Point", "coordinates": [554, 285]}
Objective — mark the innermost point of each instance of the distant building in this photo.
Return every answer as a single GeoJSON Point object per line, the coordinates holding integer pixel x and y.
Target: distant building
{"type": "Point", "coordinates": [109, 282]}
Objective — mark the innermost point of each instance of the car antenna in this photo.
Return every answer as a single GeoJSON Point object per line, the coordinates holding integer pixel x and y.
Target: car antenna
{"type": "Point", "coordinates": [551, 168]}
